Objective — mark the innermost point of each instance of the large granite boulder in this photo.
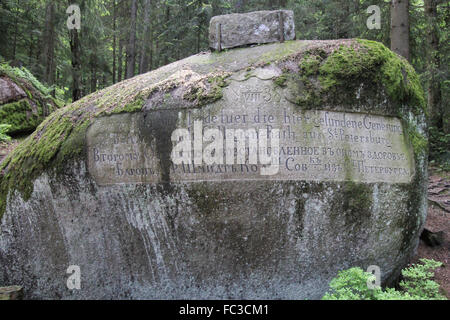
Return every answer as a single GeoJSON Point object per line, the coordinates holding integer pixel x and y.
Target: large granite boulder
{"type": "Point", "coordinates": [24, 101]}
{"type": "Point", "coordinates": [124, 185]}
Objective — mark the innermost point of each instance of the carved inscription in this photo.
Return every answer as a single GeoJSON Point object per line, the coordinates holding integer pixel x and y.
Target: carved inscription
{"type": "Point", "coordinates": [311, 145]}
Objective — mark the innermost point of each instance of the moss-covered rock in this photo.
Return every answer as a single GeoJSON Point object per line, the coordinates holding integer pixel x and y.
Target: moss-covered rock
{"type": "Point", "coordinates": [279, 239]}
{"type": "Point", "coordinates": [335, 73]}
{"type": "Point", "coordinates": [24, 101]}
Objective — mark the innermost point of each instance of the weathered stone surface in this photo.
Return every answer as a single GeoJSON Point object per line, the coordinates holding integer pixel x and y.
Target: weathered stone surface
{"type": "Point", "coordinates": [313, 145]}
{"type": "Point", "coordinates": [258, 27]}
{"type": "Point", "coordinates": [9, 91]}
{"type": "Point", "coordinates": [156, 232]}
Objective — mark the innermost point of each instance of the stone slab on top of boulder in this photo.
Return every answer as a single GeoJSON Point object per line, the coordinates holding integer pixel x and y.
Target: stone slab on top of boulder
{"type": "Point", "coordinates": [239, 29]}
{"type": "Point", "coordinates": [104, 192]}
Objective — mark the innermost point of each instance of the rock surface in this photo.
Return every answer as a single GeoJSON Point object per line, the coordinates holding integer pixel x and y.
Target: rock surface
{"type": "Point", "coordinates": [103, 194]}
{"type": "Point", "coordinates": [9, 91]}
{"type": "Point", "coordinates": [23, 101]}
{"type": "Point", "coordinates": [258, 27]}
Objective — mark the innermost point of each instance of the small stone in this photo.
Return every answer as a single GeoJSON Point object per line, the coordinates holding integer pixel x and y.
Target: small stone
{"type": "Point", "coordinates": [11, 293]}
{"type": "Point", "coordinates": [432, 239]}
{"type": "Point", "coordinates": [234, 30]}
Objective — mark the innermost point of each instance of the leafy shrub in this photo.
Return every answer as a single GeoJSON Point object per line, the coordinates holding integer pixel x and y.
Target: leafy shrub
{"type": "Point", "coordinates": [3, 130]}
{"type": "Point", "coordinates": [418, 280]}
{"type": "Point", "coordinates": [351, 284]}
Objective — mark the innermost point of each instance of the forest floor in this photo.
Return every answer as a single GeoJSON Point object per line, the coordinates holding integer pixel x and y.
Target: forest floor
{"type": "Point", "coordinates": [438, 219]}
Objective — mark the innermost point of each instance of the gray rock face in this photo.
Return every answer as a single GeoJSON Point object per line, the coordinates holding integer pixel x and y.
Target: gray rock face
{"type": "Point", "coordinates": [234, 30]}
{"type": "Point", "coordinates": [9, 91]}
{"type": "Point", "coordinates": [345, 187]}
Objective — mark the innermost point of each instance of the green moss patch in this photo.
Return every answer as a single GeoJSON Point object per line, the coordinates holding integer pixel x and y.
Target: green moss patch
{"type": "Point", "coordinates": [370, 60]}
{"type": "Point", "coordinates": [206, 92]}
{"type": "Point", "coordinates": [333, 75]}
{"type": "Point", "coordinates": [26, 114]}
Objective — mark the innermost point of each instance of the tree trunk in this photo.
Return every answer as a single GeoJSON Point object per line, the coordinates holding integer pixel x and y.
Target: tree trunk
{"type": "Point", "coordinates": [76, 65]}
{"type": "Point", "coordinates": [16, 20]}
{"type": "Point", "coordinates": [166, 51]}
{"type": "Point", "coordinates": [75, 48]}
{"type": "Point", "coordinates": [240, 6]}
{"type": "Point", "coordinates": [30, 51]}
{"type": "Point", "coordinates": [150, 53]}
{"type": "Point", "coordinates": [400, 27]}
{"type": "Point", "coordinates": [114, 41]}
{"type": "Point", "coordinates": [48, 41]}
{"type": "Point", "coordinates": [199, 31]}
{"type": "Point", "coordinates": [145, 48]}
{"type": "Point", "coordinates": [434, 88]}
{"type": "Point", "coordinates": [157, 53]}
{"type": "Point", "coordinates": [93, 77]}
{"type": "Point", "coordinates": [131, 49]}
{"type": "Point", "coordinates": [119, 61]}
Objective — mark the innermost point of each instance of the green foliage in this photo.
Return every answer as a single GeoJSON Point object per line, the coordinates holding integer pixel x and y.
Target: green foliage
{"type": "Point", "coordinates": [418, 281]}
{"type": "Point", "coordinates": [3, 132]}
{"type": "Point", "coordinates": [418, 141]}
{"type": "Point", "coordinates": [351, 284]}
{"type": "Point", "coordinates": [281, 80]}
